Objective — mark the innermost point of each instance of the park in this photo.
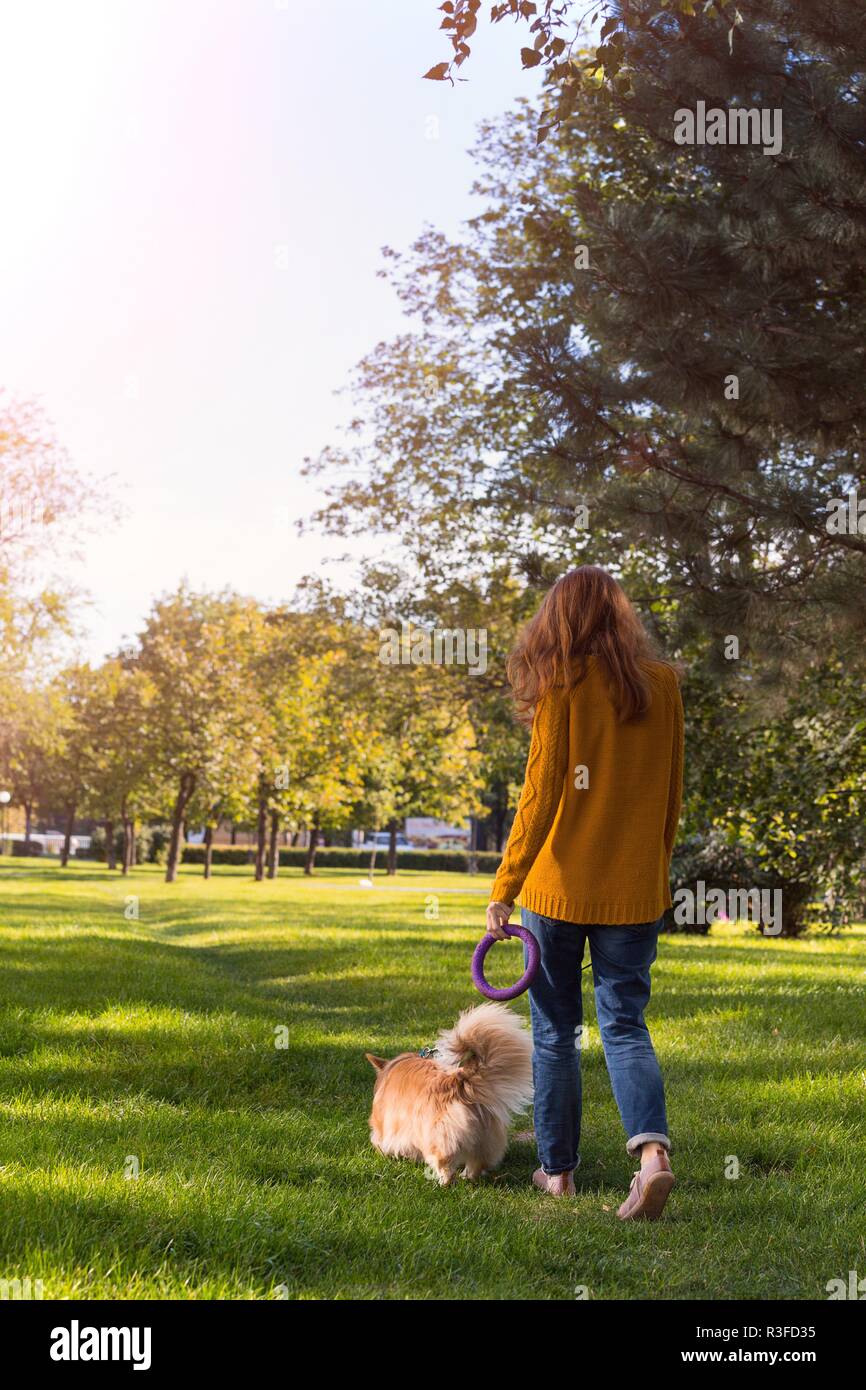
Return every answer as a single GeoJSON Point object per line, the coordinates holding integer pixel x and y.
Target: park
{"type": "Point", "coordinates": [335, 561]}
{"type": "Point", "coordinates": [158, 1143]}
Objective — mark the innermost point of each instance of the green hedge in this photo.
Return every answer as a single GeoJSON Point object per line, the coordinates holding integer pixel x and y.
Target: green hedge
{"type": "Point", "coordinates": [221, 854]}
{"type": "Point", "coordinates": [440, 860]}
{"type": "Point", "coordinates": [151, 844]}
{"type": "Point", "coordinates": [22, 850]}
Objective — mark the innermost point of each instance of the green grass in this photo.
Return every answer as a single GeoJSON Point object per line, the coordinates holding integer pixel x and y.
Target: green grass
{"type": "Point", "coordinates": [155, 1039]}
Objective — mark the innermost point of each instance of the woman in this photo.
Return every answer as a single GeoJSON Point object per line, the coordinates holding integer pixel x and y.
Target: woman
{"type": "Point", "coordinates": [589, 857]}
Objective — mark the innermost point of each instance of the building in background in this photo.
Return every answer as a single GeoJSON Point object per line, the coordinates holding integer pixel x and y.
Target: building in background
{"type": "Point", "coordinates": [425, 832]}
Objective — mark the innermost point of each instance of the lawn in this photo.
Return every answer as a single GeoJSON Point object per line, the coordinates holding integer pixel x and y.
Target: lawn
{"type": "Point", "coordinates": [149, 1045]}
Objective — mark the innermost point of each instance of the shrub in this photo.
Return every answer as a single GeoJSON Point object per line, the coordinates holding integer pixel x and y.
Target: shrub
{"type": "Point", "coordinates": [151, 845]}
{"type": "Point", "coordinates": [22, 850]}
{"type": "Point", "coordinates": [719, 864]}
{"type": "Point", "coordinates": [154, 841]}
{"type": "Point", "coordinates": [695, 860]}
{"type": "Point", "coordinates": [96, 848]}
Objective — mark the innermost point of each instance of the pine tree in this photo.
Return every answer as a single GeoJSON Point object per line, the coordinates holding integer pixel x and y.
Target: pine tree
{"type": "Point", "coordinates": [717, 387]}
{"type": "Point", "coordinates": [671, 334]}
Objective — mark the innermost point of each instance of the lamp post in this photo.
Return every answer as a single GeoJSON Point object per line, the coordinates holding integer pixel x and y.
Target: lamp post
{"type": "Point", "coordinates": [5, 798]}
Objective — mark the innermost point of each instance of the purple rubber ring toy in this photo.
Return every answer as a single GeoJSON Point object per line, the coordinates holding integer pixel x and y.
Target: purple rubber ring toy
{"type": "Point", "coordinates": [533, 958]}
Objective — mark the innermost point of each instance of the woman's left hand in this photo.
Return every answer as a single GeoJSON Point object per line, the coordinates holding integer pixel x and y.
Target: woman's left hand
{"type": "Point", "coordinates": [497, 917]}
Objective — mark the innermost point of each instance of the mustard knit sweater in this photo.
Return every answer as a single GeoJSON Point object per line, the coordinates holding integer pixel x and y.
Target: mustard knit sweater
{"type": "Point", "coordinates": [594, 829]}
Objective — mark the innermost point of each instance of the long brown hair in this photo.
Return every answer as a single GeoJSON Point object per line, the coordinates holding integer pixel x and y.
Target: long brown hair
{"type": "Point", "coordinates": [586, 613]}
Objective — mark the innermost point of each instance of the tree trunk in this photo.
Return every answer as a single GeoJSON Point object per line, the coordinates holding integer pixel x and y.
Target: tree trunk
{"type": "Point", "coordinates": [473, 845]}
{"type": "Point", "coordinates": [392, 847]}
{"type": "Point", "coordinates": [110, 855]}
{"type": "Point", "coordinates": [185, 791]}
{"type": "Point", "coordinates": [312, 844]}
{"type": "Point", "coordinates": [234, 838]}
{"type": "Point", "coordinates": [28, 822]}
{"type": "Point", "coordinates": [294, 839]}
{"type": "Point", "coordinates": [500, 811]}
{"type": "Point", "coordinates": [498, 815]}
{"type": "Point", "coordinates": [795, 898]}
{"type": "Point", "coordinates": [126, 852]}
{"type": "Point", "coordinates": [261, 832]}
{"type": "Point", "coordinates": [67, 838]}
{"type": "Point", "coordinates": [273, 847]}
{"type": "Point", "coordinates": [133, 851]}
{"type": "Point", "coordinates": [208, 849]}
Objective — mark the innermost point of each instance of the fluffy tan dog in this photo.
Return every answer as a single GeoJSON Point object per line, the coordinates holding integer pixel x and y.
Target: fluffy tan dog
{"type": "Point", "coordinates": [452, 1110]}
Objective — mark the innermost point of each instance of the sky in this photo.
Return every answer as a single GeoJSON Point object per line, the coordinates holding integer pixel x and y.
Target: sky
{"type": "Point", "coordinates": [196, 195]}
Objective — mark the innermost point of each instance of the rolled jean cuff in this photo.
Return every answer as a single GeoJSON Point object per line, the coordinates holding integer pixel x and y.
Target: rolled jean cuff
{"type": "Point", "coordinates": [558, 1172]}
{"type": "Point", "coordinates": [649, 1138]}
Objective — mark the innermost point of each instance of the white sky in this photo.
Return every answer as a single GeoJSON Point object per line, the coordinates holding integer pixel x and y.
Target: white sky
{"type": "Point", "coordinates": [195, 197]}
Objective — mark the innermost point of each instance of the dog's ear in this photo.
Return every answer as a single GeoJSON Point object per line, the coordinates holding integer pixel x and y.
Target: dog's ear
{"type": "Point", "coordinates": [377, 1063]}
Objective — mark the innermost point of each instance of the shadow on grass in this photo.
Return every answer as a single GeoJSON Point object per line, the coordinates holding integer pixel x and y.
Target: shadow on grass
{"type": "Point", "coordinates": [224, 1001]}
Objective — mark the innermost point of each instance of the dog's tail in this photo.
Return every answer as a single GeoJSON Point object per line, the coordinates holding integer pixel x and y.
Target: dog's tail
{"type": "Point", "coordinates": [491, 1051]}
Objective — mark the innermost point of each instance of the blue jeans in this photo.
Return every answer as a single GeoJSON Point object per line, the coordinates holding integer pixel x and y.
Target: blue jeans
{"type": "Point", "coordinates": [621, 959]}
